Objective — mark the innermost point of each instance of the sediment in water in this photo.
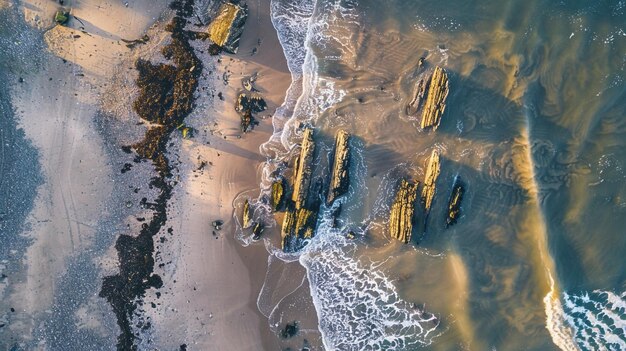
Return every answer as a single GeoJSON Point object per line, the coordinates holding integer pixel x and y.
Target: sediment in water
{"type": "Point", "coordinates": [166, 97]}
{"type": "Point", "coordinates": [402, 210]}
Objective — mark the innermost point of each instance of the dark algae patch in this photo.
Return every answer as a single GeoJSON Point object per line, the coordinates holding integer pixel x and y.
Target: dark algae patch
{"type": "Point", "coordinates": [166, 97]}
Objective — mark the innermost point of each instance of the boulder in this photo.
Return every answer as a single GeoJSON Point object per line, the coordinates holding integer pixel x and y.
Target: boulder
{"type": "Point", "coordinates": [432, 173]}
{"type": "Point", "coordinates": [436, 101]}
{"type": "Point", "coordinates": [454, 203]}
{"type": "Point", "coordinates": [402, 209]}
{"type": "Point", "coordinates": [226, 29]}
{"type": "Point", "coordinates": [339, 179]}
{"type": "Point", "coordinates": [246, 106]}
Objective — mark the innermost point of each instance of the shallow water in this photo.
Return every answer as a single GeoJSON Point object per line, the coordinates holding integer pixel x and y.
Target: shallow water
{"type": "Point", "coordinates": [534, 126]}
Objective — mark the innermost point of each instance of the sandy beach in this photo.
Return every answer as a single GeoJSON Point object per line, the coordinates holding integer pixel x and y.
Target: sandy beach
{"type": "Point", "coordinates": [210, 284]}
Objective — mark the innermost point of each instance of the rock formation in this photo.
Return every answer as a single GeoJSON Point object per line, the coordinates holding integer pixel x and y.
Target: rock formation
{"type": "Point", "coordinates": [418, 96]}
{"type": "Point", "coordinates": [401, 216]}
{"type": "Point", "coordinates": [246, 219]}
{"type": "Point", "coordinates": [339, 177]}
{"type": "Point", "coordinates": [436, 100]}
{"type": "Point", "coordinates": [278, 195]}
{"type": "Point", "coordinates": [226, 29]}
{"type": "Point", "coordinates": [246, 106]}
{"type": "Point", "coordinates": [302, 173]}
{"type": "Point", "coordinates": [454, 204]}
{"type": "Point", "coordinates": [432, 172]}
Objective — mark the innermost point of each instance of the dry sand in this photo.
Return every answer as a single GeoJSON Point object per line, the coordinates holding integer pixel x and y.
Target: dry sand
{"type": "Point", "coordinates": [210, 283]}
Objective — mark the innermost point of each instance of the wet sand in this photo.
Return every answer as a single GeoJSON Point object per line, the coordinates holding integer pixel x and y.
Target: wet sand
{"type": "Point", "coordinates": [210, 284]}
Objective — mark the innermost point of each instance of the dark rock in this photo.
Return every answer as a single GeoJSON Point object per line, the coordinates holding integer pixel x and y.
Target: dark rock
{"type": "Point", "coordinates": [339, 179]}
{"type": "Point", "coordinates": [226, 29]}
{"type": "Point", "coordinates": [217, 224]}
{"type": "Point", "coordinates": [454, 203]}
{"type": "Point", "coordinates": [257, 231]}
{"type": "Point", "coordinates": [278, 194]}
{"type": "Point", "coordinates": [246, 106]}
{"type": "Point", "coordinates": [290, 330]}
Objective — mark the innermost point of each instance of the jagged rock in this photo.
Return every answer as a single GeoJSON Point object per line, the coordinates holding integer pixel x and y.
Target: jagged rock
{"type": "Point", "coordinates": [436, 100]}
{"type": "Point", "coordinates": [278, 195]}
{"type": "Point", "coordinates": [246, 106]}
{"type": "Point", "coordinates": [298, 224]}
{"type": "Point", "coordinates": [418, 96]}
{"type": "Point", "coordinates": [257, 231]}
{"type": "Point", "coordinates": [401, 217]}
{"type": "Point", "coordinates": [226, 29]}
{"type": "Point", "coordinates": [62, 16]}
{"type": "Point", "coordinates": [454, 204]}
{"type": "Point", "coordinates": [339, 179]}
{"type": "Point", "coordinates": [302, 173]}
{"type": "Point", "coordinates": [217, 224]}
{"type": "Point", "coordinates": [432, 172]}
{"type": "Point", "coordinates": [246, 219]}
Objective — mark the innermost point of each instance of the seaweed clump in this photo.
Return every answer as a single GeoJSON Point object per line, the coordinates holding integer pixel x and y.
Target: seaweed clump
{"type": "Point", "coordinates": [166, 97]}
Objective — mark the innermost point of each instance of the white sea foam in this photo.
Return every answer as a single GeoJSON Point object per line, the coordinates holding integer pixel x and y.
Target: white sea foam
{"type": "Point", "coordinates": [587, 321]}
{"type": "Point", "coordinates": [357, 305]}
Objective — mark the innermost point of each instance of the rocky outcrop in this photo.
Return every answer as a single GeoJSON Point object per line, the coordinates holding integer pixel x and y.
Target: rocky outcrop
{"type": "Point", "coordinates": [402, 209]}
{"type": "Point", "coordinates": [432, 173]}
{"type": "Point", "coordinates": [339, 179]}
{"type": "Point", "coordinates": [302, 173]}
{"type": "Point", "coordinates": [436, 100]}
{"type": "Point", "coordinates": [226, 29]}
{"type": "Point", "coordinates": [278, 195]}
{"type": "Point", "coordinates": [257, 231]}
{"type": "Point", "coordinates": [246, 218]}
{"type": "Point", "coordinates": [454, 203]}
{"type": "Point", "coordinates": [247, 105]}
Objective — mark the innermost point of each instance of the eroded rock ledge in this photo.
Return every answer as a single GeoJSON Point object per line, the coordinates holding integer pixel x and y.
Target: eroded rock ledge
{"type": "Point", "coordinates": [402, 210]}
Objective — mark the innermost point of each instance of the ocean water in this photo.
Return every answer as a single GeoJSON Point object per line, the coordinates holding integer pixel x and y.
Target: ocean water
{"type": "Point", "coordinates": [535, 126]}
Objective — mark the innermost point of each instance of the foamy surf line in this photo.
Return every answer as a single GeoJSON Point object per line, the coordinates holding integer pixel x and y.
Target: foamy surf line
{"type": "Point", "coordinates": [358, 307]}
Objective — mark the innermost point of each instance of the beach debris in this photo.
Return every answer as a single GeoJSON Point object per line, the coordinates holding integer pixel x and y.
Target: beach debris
{"type": "Point", "coordinates": [432, 172]}
{"type": "Point", "coordinates": [187, 132]}
{"type": "Point", "coordinates": [62, 16]}
{"type": "Point", "coordinates": [436, 100]}
{"type": "Point", "coordinates": [402, 209]}
{"type": "Point", "coordinates": [290, 330]}
{"type": "Point", "coordinates": [217, 224]}
{"type": "Point", "coordinates": [257, 231]}
{"type": "Point", "coordinates": [339, 179]}
{"type": "Point", "coordinates": [132, 43]}
{"type": "Point", "coordinates": [278, 195]}
{"type": "Point", "coordinates": [226, 29]}
{"type": "Point", "coordinates": [454, 203]}
{"type": "Point", "coordinates": [302, 171]}
{"type": "Point", "coordinates": [246, 219]}
{"type": "Point", "coordinates": [248, 82]}
{"type": "Point", "coordinates": [246, 106]}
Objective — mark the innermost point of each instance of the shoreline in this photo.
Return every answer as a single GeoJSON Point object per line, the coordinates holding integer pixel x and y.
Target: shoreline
{"type": "Point", "coordinates": [235, 165]}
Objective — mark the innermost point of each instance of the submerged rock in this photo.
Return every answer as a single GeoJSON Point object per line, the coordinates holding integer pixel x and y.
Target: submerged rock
{"type": "Point", "coordinates": [290, 330]}
{"type": "Point", "coordinates": [226, 29]}
{"type": "Point", "coordinates": [418, 96]}
{"type": "Point", "coordinates": [436, 101]}
{"type": "Point", "coordinates": [246, 219]}
{"type": "Point", "coordinates": [454, 203]}
{"type": "Point", "coordinates": [402, 209]}
{"type": "Point", "coordinates": [339, 179]}
{"type": "Point", "coordinates": [432, 173]}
